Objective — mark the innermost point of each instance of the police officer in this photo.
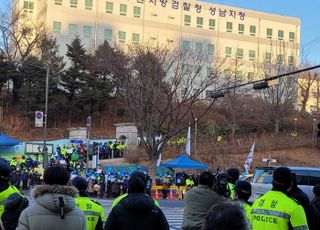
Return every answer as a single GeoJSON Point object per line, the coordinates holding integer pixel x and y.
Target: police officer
{"type": "Point", "coordinates": [233, 176]}
{"type": "Point", "coordinates": [242, 193]}
{"type": "Point", "coordinates": [275, 210]}
{"type": "Point", "coordinates": [5, 189]}
{"type": "Point", "coordinates": [94, 212]}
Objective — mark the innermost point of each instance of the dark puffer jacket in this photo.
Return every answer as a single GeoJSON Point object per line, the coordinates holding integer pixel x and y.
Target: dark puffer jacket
{"type": "Point", "coordinates": [13, 207]}
{"type": "Point", "coordinates": [136, 212]}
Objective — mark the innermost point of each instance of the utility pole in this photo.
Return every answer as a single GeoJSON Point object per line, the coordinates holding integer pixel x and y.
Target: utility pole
{"type": "Point", "coordinates": [88, 138]}
{"type": "Point", "coordinates": [195, 134]}
{"type": "Point", "coordinates": [45, 131]}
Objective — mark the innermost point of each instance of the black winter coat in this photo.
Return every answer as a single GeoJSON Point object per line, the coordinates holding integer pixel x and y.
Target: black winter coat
{"type": "Point", "coordinates": [137, 211]}
{"type": "Point", "coordinates": [13, 207]}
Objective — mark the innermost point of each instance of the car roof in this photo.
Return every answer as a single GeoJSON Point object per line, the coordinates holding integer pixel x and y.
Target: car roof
{"type": "Point", "coordinates": [295, 168]}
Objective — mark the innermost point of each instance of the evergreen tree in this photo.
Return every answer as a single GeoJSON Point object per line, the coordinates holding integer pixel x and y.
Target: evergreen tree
{"type": "Point", "coordinates": [73, 78]}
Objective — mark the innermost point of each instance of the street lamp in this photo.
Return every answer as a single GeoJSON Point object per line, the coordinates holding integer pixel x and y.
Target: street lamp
{"type": "Point", "coordinates": [88, 137]}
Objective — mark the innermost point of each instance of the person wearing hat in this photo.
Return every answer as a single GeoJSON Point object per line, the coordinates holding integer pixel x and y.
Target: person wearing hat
{"type": "Point", "coordinates": [275, 210]}
{"type": "Point", "coordinates": [233, 176]}
{"type": "Point", "coordinates": [137, 210]}
{"type": "Point", "coordinates": [54, 206]}
{"type": "Point", "coordinates": [5, 188]}
{"type": "Point", "coordinates": [94, 211]}
{"type": "Point", "coordinates": [242, 193]}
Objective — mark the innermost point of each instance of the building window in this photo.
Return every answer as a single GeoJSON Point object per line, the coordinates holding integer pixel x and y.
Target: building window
{"type": "Point", "coordinates": [74, 3]}
{"type": "Point", "coordinates": [57, 27]}
{"type": "Point", "coordinates": [58, 2]}
{"type": "Point", "coordinates": [291, 61]}
{"type": "Point", "coordinates": [187, 20]}
{"type": "Point", "coordinates": [238, 75]}
{"type": "Point", "coordinates": [123, 9]}
{"type": "Point", "coordinates": [109, 7]}
{"type": "Point", "coordinates": [72, 29]}
{"type": "Point", "coordinates": [122, 36]}
{"type": "Point", "coordinates": [292, 36]}
{"type": "Point", "coordinates": [252, 55]}
{"type": "Point", "coordinates": [250, 76]}
{"type": "Point", "coordinates": [269, 33]}
{"type": "Point", "coordinates": [185, 68]}
{"type": "Point", "coordinates": [199, 47]}
{"type": "Point", "coordinates": [229, 27]}
{"type": "Point", "coordinates": [186, 45]}
{"type": "Point", "coordinates": [199, 22]}
{"type": "Point", "coordinates": [253, 30]}
{"type": "Point", "coordinates": [209, 71]}
{"type": "Point", "coordinates": [239, 53]}
{"type": "Point", "coordinates": [280, 59]}
{"type": "Point", "coordinates": [135, 38]}
{"type": "Point", "coordinates": [212, 24]}
{"type": "Point", "coordinates": [208, 93]}
{"type": "Point", "coordinates": [28, 7]}
{"type": "Point", "coordinates": [87, 31]}
{"type": "Point", "coordinates": [228, 52]}
{"type": "Point", "coordinates": [136, 11]}
{"type": "Point", "coordinates": [241, 28]}
{"type": "Point", "coordinates": [88, 4]}
{"type": "Point", "coordinates": [108, 35]}
{"type": "Point", "coordinates": [210, 48]}
{"type": "Point", "coordinates": [268, 57]}
{"type": "Point", "coordinates": [280, 35]}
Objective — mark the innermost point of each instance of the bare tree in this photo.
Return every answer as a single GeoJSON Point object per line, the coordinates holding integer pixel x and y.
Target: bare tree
{"type": "Point", "coordinates": [161, 86]}
{"type": "Point", "coordinates": [280, 97]}
{"type": "Point", "coordinates": [306, 82]}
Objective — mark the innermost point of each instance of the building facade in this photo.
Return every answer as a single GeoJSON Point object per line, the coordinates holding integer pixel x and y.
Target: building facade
{"type": "Point", "coordinates": [255, 38]}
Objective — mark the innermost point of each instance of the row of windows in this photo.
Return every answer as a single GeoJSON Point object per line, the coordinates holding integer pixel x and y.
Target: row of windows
{"type": "Point", "coordinates": [87, 32]}
{"type": "Point", "coordinates": [252, 56]}
{"type": "Point", "coordinates": [187, 20]}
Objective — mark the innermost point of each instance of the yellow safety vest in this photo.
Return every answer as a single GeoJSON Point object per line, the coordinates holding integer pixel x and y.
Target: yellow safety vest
{"type": "Point", "coordinates": [4, 196]}
{"type": "Point", "coordinates": [277, 211]}
{"type": "Point", "coordinates": [231, 189]}
{"type": "Point", "coordinates": [13, 163]}
{"type": "Point", "coordinates": [92, 211]}
{"type": "Point", "coordinates": [119, 198]}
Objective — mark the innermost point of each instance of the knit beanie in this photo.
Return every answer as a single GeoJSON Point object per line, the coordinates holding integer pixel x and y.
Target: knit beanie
{"type": "Point", "coordinates": [282, 178]}
{"type": "Point", "coordinates": [137, 182]}
{"type": "Point", "coordinates": [81, 184]}
{"type": "Point", "coordinates": [56, 175]}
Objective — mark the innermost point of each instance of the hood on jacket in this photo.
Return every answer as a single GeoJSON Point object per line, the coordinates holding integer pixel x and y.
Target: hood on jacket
{"type": "Point", "coordinates": [53, 197]}
{"type": "Point", "coordinates": [15, 200]}
{"type": "Point", "coordinates": [138, 202]}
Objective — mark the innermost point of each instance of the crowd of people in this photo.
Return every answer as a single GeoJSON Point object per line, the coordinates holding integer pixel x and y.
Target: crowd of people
{"type": "Point", "coordinates": [217, 202]}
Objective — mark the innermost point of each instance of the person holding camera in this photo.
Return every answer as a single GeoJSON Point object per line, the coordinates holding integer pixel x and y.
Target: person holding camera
{"type": "Point", "coordinates": [198, 202]}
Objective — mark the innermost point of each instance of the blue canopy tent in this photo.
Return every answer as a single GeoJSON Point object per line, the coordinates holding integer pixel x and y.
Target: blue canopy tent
{"type": "Point", "coordinates": [183, 161]}
{"type": "Point", "coordinates": [7, 141]}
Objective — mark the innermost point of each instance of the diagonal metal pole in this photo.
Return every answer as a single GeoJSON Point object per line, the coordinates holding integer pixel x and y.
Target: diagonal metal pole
{"type": "Point", "coordinates": [45, 131]}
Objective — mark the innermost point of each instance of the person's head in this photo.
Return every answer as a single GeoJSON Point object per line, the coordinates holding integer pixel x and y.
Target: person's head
{"type": "Point", "coordinates": [56, 175]}
{"type": "Point", "coordinates": [316, 190]}
{"type": "Point", "coordinates": [81, 184]}
{"type": "Point", "coordinates": [243, 190]}
{"type": "Point", "coordinates": [225, 216]}
{"type": "Point", "coordinates": [137, 182]}
{"type": "Point", "coordinates": [282, 179]}
{"type": "Point", "coordinates": [4, 172]}
{"type": "Point", "coordinates": [206, 178]}
{"type": "Point", "coordinates": [233, 175]}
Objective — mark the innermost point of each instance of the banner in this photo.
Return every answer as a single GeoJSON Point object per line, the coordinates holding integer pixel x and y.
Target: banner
{"type": "Point", "coordinates": [249, 158]}
{"type": "Point", "coordinates": [188, 143]}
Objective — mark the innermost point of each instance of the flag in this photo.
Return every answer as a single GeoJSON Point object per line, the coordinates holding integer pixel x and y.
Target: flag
{"type": "Point", "coordinates": [249, 158]}
{"type": "Point", "coordinates": [159, 159]}
{"type": "Point", "coordinates": [188, 143]}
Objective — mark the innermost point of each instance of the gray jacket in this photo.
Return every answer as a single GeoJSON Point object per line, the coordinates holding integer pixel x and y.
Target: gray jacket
{"type": "Point", "coordinates": [198, 202]}
{"type": "Point", "coordinates": [48, 212]}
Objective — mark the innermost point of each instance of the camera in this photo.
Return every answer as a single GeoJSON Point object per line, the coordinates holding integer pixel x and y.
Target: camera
{"type": "Point", "coordinates": [220, 183]}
